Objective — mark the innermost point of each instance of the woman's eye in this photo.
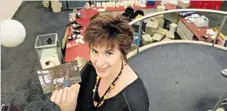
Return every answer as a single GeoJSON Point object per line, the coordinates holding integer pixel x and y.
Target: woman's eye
{"type": "Point", "coordinates": [93, 51]}
{"type": "Point", "coordinates": [108, 53]}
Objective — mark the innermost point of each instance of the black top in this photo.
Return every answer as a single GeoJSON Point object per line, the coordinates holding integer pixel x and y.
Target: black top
{"type": "Point", "coordinates": [132, 98]}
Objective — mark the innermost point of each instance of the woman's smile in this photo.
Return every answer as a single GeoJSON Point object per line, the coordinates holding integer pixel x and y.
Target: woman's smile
{"type": "Point", "coordinates": [101, 70]}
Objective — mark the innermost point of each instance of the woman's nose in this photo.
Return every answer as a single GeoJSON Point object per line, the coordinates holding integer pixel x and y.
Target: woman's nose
{"type": "Point", "coordinates": [99, 61]}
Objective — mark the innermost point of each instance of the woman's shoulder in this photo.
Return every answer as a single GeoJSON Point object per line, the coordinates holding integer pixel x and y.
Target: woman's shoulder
{"type": "Point", "coordinates": [87, 70]}
{"type": "Point", "coordinates": [88, 67]}
{"type": "Point", "coordinates": [135, 96]}
{"type": "Point", "coordinates": [134, 80]}
{"type": "Point", "coordinates": [135, 88]}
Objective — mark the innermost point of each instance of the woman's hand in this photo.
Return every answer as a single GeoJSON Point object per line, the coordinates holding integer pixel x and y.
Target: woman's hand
{"type": "Point", "coordinates": [66, 98]}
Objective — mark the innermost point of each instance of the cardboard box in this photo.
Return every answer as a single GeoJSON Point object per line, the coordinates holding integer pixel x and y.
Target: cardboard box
{"type": "Point", "coordinates": [146, 39]}
{"type": "Point", "coordinates": [161, 8]}
{"type": "Point", "coordinates": [157, 37]}
{"type": "Point", "coordinates": [170, 35]}
{"type": "Point", "coordinates": [162, 31]}
{"type": "Point", "coordinates": [152, 24]}
{"type": "Point", "coordinates": [151, 27]}
{"type": "Point", "coordinates": [159, 19]}
{"type": "Point", "coordinates": [183, 3]}
{"type": "Point", "coordinates": [173, 27]}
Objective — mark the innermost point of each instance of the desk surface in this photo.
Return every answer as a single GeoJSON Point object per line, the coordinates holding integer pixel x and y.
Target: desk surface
{"type": "Point", "coordinates": [72, 48]}
{"type": "Point", "coordinates": [121, 8]}
{"type": "Point", "coordinates": [199, 32]}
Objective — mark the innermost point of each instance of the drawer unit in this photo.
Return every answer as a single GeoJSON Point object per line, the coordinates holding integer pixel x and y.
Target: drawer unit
{"type": "Point", "coordinates": [184, 31]}
{"type": "Point", "coordinates": [189, 34]}
{"type": "Point", "coordinates": [182, 26]}
{"type": "Point", "coordinates": [181, 34]}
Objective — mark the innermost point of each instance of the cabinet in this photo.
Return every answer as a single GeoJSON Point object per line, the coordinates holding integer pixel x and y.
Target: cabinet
{"type": "Point", "coordinates": [184, 32]}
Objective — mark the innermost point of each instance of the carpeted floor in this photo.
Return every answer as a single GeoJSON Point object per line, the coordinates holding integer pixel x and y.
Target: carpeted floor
{"type": "Point", "coordinates": [182, 76]}
{"type": "Point", "coordinates": [19, 81]}
{"type": "Point", "coordinates": [18, 72]}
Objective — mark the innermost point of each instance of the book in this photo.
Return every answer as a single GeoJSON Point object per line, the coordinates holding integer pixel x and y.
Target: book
{"type": "Point", "coordinates": [58, 77]}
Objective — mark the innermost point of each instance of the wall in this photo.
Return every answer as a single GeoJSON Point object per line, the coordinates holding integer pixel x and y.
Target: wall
{"type": "Point", "coordinates": [8, 8]}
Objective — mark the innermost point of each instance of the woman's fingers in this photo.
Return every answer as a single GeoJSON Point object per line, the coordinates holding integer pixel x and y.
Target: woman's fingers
{"type": "Point", "coordinates": [64, 95]}
{"type": "Point", "coordinates": [75, 88]}
{"type": "Point", "coordinates": [59, 96]}
{"type": "Point", "coordinates": [68, 98]}
{"type": "Point", "coordinates": [73, 96]}
{"type": "Point", "coordinates": [54, 94]}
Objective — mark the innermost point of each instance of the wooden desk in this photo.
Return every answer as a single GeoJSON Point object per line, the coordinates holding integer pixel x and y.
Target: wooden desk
{"type": "Point", "coordinates": [198, 32]}
{"type": "Point", "coordinates": [72, 49]}
{"type": "Point", "coordinates": [190, 31]}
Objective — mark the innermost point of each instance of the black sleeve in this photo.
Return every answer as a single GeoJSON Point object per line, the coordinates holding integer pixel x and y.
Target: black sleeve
{"type": "Point", "coordinates": [136, 97]}
{"type": "Point", "coordinates": [85, 73]}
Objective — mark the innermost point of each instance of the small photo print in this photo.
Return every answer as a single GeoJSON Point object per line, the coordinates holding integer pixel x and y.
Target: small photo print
{"type": "Point", "coordinates": [58, 77]}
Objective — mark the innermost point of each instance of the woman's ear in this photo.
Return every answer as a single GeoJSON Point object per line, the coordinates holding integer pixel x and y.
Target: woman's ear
{"type": "Point", "coordinates": [122, 56]}
{"type": "Point", "coordinates": [124, 60]}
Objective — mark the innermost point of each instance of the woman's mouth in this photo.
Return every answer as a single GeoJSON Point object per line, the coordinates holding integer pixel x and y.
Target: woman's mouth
{"type": "Point", "coordinates": [101, 69]}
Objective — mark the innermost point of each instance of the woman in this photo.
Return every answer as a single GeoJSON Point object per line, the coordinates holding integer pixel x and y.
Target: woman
{"type": "Point", "coordinates": [108, 82]}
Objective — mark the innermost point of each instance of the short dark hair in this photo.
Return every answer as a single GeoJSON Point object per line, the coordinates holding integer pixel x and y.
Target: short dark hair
{"type": "Point", "coordinates": [111, 31]}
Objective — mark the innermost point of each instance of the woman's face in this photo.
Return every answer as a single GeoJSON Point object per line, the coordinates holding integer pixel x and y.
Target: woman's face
{"type": "Point", "coordinates": [105, 61]}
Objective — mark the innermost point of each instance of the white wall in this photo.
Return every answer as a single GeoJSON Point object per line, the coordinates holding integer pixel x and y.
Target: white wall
{"type": "Point", "coordinates": [8, 8]}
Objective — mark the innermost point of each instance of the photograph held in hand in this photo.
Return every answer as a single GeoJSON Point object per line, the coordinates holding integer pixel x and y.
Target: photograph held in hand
{"type": "Point", "coordinates": [58, 77]}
